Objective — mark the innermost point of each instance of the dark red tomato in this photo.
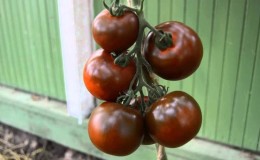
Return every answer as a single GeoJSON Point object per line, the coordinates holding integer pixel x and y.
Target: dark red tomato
{"type": "Point", "coordinates": [116, 129]}
{"type": "Point", "coordinates": [115, 34]}
{"type": "Point", "coordinates": [104, 79]}
{"type": "Point", "coordinates": [136, 103]}
{"type": "Point", "coordinates": [174, 119]}
{"type": "Point", "coordinates": [181, 59]}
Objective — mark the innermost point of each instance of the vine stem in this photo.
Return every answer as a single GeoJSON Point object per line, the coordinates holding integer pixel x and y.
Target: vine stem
{"type": "Point", "coordinates": [161, 154]}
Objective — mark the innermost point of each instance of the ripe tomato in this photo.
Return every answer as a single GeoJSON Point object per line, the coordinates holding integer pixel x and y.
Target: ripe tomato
{"type": "Point", "coordinates": [104, 79]}
{"type": "Point", "coordinates": [115, 34]}
{"type": "Point", "coordinates": [181, 59]}
{"type": "Point", "coordinates": [116, 129]}
{"type": "Point", "coordinates": [174, 119]}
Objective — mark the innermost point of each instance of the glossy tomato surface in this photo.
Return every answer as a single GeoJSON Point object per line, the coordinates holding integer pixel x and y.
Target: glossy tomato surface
{"type": "Point", "coordinates": [174, 119]}
{"type": "Point", "coordinates": [104, 79]}
{"type": "Point", "coordinates": [181, 59]}
{"type": "Point", "coordinates": [116, 129]}
{"type": "Point", "coordinates": [115, 34]}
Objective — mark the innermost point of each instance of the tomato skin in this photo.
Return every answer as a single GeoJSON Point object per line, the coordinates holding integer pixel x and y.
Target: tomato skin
{"type": "Point", "coordinates": [181, 59]}
{"type": "Point", "coordinates": [115, 34]}
{"type": "Point", "coordinates": [116, 129]}
{"type": "Point", "coordinates": [104, 79]}
{"type": "Point", "coordinates": [174, 119]}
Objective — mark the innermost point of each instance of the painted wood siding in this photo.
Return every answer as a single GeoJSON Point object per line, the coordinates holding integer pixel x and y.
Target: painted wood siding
{"type": "Point", "coordinates": [227, 84]}
{"type": "Point", "coordinates": [30, 54]}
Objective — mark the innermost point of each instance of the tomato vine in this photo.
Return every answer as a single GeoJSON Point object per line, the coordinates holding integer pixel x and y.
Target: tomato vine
{"type": "Point", "coordinates": [170, 50]}
{"type": "Point", "coordinates": [164, 40]}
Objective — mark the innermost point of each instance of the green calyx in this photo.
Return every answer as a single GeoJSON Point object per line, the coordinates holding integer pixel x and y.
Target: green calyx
{"type": "Point", "coordinates": [117, 9]}
{"type": "Point", "coordinates": [164, 40]}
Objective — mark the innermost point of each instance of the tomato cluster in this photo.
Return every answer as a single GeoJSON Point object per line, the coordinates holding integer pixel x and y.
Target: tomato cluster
{"type": "Point", "coordinates": [119, 125]}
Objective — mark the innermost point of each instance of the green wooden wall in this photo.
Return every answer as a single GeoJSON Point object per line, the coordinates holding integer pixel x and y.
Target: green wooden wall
{"type": "Point", "coordinates": [30, 54]}
{"type": "Point", "coordinates": [227, 84]}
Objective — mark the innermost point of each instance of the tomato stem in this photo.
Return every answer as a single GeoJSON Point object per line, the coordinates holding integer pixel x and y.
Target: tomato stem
{"type": "Point", "coordinates": [162, 40]}
{"type": "Point", "coordinates": [161, 154]}
{"type": "Point", "coordinates": [142, 78]}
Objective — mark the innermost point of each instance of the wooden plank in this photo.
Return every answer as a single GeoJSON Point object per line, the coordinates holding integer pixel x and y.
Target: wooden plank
{"type": "Point", "coordinates": [75, 19]}
{"type": "Point", "coordinates": [55, 49]}
{"type": "Point", "coordinates": [247, 55]}
{"type": "Point", "coordinates": [37, 50]}
{"type": "Point", "coordinates": [3, 59]}
{"type": "Point", "coordinates": [251, 132]}
{"type": "Point", "coordinates": [55, 53]}
{"type": "Point", "coordinates": [215, 67]}
{"type": "Point", "coordinates": [204, 31]}
{"type": "Point", "coordinates": [230, 65]}
{"type": "Point", "coordinates": [164, 10]}
{"type": "Point", "coordinates": [19, 49]}
{"type": "Point", "coordinates": [30, 47]}
{"type": "Point", "coordinates": [178, 10]}
{"type": "Point", "coordinates": [7, 46]}
{"type": "Point", "coordinates": [48, 119]}
{"type": "Point", "coordinates": [60, 76]}
{"type": "Point", "coordinates": [191, 16]}
{"type": "Point", "coordinates": [46, 47]}
{"type": "Point", "coordinates": [152, 12]}
{"type": "Point", "coordinates": [13, 44]}
{"type": "Point", "coordinates": [25, 43]}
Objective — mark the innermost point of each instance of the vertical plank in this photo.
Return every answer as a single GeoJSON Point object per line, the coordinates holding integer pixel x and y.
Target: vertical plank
{"type": "Point", "coordinates": [37, 50]}
{"type": "Point", "coordinates": [60, 74]}
{"type": "Point", "coordinates": [32, 53]}
{"type": "Point", "coordinates": [220, 117]}
{"type": "Point", "coordinates": [164, 9]}
{"type": "Point", "coordinates": [3, 59]}
{"type": "Point", "coordinates": [215, 67]}
{"type": "Point", "coordinates": [77, 45]}
{"type": "Point", "coordinates": [178, 10]}
{"type": "Point", "coordinates": [12, 43]}
{"type": "Point", "coordinates": [230, 66]}
{"type": "Point", "coordinates": [7, 43]}
{"type": "Point", "coordinates": [245, 68]}
{"type": "Point", "coordinates": [204, 30]}
{"type": "Point", "coordinates": [191, 15]}
{"type": "Point", "coordinates": [16, 47]}
{"type": "Point", "coordinates": [25, 43]}
{"type": "Point", "coordinates": [152, 11]}
{"type": "Point", "coordinates": [19, 49]}
{"type": "Point", "coordinates": [98, 6]}
{"type": "Point", "coordinates": [54, 46]}
{"type": "Point", "coordinates": [46, 46]}
{"type": "Point", "coordinates": [251, 129]}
